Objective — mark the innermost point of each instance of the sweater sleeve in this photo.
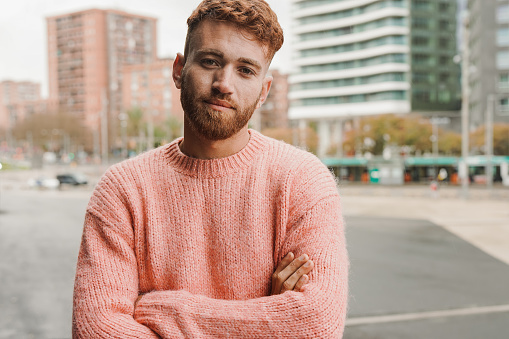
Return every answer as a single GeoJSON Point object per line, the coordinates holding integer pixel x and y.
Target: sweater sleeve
{"type": "Point", "coordinates": [106, 284]}
{"type": "Point", "coordinates": [319, 311]}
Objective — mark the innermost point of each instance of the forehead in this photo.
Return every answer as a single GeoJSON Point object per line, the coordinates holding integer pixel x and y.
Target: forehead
{"type": "Point", "coordinates": [230, 39]}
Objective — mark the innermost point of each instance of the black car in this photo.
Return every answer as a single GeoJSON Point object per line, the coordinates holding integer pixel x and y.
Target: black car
{"type": "Point", "coordinates": [72, 179]}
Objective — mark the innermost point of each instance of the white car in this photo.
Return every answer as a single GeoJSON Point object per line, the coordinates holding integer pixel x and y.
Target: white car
{"type": "Point", "coordinates": [43, 182]}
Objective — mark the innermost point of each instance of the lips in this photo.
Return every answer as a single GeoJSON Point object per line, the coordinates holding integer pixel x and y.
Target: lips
{"type": "Point", "coordinates": [220, 103]}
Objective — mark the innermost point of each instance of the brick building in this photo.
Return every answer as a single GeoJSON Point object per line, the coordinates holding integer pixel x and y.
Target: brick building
{"type": "Point", "coordinates": [19, 100]}
{"type": "Point", "coordinates": [87, 51]}
{"type": "Point", "coordinates": [274, 112]}
{"type": "Point", "coordinates": [150, 87]}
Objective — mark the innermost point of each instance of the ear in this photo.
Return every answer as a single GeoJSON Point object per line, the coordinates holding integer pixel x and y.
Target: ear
{"type": "Point", "coordinates": [178, 66]}
{"type": "Point", "coordinates": [267, 82]}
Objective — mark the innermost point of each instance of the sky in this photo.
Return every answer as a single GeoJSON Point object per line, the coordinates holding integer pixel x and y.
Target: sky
{"type": "Point", "coordinates": [23, 37]}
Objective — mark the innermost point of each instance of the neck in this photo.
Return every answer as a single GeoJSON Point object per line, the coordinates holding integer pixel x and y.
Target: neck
{"type": "Point", "coordinates": [196, 146]}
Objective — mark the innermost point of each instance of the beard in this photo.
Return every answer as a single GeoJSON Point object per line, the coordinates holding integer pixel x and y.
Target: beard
{"type": "Point", "coordinates": [209, 123]}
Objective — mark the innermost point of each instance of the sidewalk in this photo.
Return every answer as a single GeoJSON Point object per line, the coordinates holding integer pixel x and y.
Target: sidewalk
{"type": "Point", "coordinates": [482, 219]}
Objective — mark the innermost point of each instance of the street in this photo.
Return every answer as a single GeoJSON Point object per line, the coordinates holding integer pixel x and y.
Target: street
{"type": "Point", "coordinates": [410, 277]}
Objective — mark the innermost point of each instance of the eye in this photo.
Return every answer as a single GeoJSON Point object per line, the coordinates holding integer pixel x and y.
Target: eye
{"type": "Point", "coordinates": [208, 62]}
{"type": "Point", "coordinates": [246, 71]}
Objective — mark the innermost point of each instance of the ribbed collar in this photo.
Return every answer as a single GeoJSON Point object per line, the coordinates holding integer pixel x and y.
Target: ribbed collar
{"type": "Point", "coordinates": [215, 168]}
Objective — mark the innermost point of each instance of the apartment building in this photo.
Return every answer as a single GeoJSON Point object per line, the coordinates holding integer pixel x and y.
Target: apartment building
{"type": "Point", "coordinates": [274, 112]}
{"type": "Point", "coordinates": [489, 59]}
{"type": "Point", "coordinates": [87, 51]}
{"type": "Point", "coordinates": [150, 87]}
{"type": "Point", "coordinates": [19, 100]}
{"type": "Point", "coordinates": [365, 57]}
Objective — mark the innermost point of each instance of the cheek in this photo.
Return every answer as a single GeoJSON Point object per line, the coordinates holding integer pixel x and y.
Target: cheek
{"type": "Point", "coordinates": [251, 92]}
{"type": "Point", "coordinates": [198, 80]}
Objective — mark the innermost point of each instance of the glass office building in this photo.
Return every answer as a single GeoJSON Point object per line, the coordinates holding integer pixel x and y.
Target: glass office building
{"type": "Point", "coordinates": [366, 57]}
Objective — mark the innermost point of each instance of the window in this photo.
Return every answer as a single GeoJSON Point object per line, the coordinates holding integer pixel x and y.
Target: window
{"type": "Point", "coordinates": [421, 4]}
{"type": "Point", "coordinates": [421, 23]}
{"type": "Point", "coordinates": [503, 59]}
{"type": "Point", "coordinates": [444, 77]}
{"type": "Point", "coordinates": [421, 77]}
{"type": "Point", "coordinates": [503, 36]}
{"type": "Point", "coordinates": [503, 81]}
{"type": "Point", "coordinates": [504, 105]}
{"type": "Point", "coordinates": [444, 25]}
{"type": "Point", "coordinates": [421, 95]}
{"type": "Point", "coordinates": [444, 96]}
{"type": "Point", "coordinates": [444, 60]}
{"type": "Point", "coordinates": [420, 41]}
{"type": "Point", "coordinates": [420, 59]}
{"type": "Point", "coordinates": [443, 43]}
{"type": "Point", "coordinates": [503, 14]}
{"type": "Point", "coordinates": [443, 6]}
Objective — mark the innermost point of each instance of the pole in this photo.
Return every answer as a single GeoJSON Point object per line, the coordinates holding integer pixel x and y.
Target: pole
{"type": "Point", "coordinates": [465, 102]}
{"type": "Point", "coordinates": [104, 128]}
{"type": "Point", "coordinates": [489, 141]}
{"type": "Point", "coordinates": [434, 125]}
{"type": "Point", "coordinates": [149, 111]}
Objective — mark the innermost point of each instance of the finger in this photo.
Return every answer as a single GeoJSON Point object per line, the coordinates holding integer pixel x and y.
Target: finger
{"type": "Point", "coordinates": [285, 262]}
{"type": "Point", "coordinates": [293, 267]}
{"type": "Point", "coordinates": [288, 271]}
{"type": "Point", "coordinates": [276, 283]}
{"type": "Point", "coordinates": [302, 281]}
{"type": "Point", "coordinates": [292, 280]}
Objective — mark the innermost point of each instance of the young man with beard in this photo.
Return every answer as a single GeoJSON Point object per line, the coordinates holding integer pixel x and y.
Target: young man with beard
{"type": "Point", "coordinates": [224, 232]}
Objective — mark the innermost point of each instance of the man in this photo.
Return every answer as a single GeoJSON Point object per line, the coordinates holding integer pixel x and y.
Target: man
{"type": "Point", "coordinates": [224, 232]}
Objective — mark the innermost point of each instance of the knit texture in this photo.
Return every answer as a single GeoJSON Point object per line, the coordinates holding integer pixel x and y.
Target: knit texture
{"type": "Point", "coordinates": [200, 240]}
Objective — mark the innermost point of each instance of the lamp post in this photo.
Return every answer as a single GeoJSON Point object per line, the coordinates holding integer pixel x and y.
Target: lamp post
{"type": "Point", "coordinates": [465, 102]}
{"type": "Point", "coordinates": [0, 186]}
{"type": "Point", "coordinates": [123, 130]}
{"type": "Point", "coordinates": [489, 141]}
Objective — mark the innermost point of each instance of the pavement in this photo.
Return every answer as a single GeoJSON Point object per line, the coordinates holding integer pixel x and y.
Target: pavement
{"type": "Point", "coordinates": [482, 219]}
{"type": "Point", "coordinates": [427, 264]}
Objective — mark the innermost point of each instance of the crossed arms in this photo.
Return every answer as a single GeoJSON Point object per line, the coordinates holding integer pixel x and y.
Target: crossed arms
{"type": "Point", "coordinates": [106, 303]}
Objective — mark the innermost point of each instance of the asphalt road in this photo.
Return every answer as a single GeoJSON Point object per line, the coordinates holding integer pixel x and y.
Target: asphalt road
{"type": "Point", "coordinates": [413, 279]}
{"type": "Point", "coordinates": [409, 278]}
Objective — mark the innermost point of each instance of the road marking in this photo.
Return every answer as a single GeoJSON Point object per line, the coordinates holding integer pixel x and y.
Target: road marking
{"type": "Point", "coordinates": [426, 315]}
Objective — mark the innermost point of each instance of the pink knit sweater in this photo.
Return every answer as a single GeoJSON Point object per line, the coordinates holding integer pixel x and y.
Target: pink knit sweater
{"type": "Point", "coordinates": [200, 240]}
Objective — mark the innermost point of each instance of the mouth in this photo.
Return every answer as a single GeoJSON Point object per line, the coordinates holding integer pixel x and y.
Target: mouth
{"type": "Point", "coordinates": [219, 105]}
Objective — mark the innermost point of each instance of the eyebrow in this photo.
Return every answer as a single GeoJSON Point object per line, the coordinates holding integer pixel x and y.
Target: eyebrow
{"type": "Point", "coordinates": [220, 54]}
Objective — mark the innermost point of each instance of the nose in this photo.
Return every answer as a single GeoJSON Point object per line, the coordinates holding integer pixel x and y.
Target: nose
{"type": "Point", "coordinates": [223, 80]}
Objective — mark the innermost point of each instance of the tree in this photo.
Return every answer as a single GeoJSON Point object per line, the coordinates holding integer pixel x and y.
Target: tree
{"type": "Point", "coordinates": [500, 139]}
{"type": "Point", "coordinates": [449, 143]}
{"type": "Point", "coordinates": [287, 135]}
{"type": "Point", "coordinates": [135, 123]}
{"type": "Point", "coordinates": [168, 131]}
{"type": "Point", "coordinates": [374, 134]}
{"type": "Point", "coordinates": [56, 132]}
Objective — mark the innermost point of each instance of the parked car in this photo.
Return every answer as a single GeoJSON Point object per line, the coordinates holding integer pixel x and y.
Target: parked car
{"type": "Point", "coordinates": [72, 179]}
{"type": "Point", "coordinates": [43, 182]}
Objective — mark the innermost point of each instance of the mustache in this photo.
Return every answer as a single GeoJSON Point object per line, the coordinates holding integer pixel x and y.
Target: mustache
{"type": "Point", "coordinates": [222, 97]}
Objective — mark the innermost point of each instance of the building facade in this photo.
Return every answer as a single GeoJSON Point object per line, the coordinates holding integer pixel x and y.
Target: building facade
{"type": "Point", "coordinates": [488, 41]}
{"type": "Point", "coordinates": [274, 112]}
{"type": "Point", "coordinates": [19, 100]}
{"type": "Point", "coordinates": [365, 57]}
{"type": "Point", "coordinates": [435, 76]}
{"type": "Point", "coordinates": [87, 51]}
{"type": "Point", "coordinates": [150, 88]}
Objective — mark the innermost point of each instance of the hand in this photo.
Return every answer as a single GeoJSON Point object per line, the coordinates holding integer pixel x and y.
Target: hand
{"type": "Point", "coordinates": [291, 274]}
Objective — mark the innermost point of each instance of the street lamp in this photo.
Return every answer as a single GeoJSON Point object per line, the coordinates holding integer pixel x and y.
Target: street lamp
{"type": "Point", "coordinates": [123, 130]}
{"type": "Point", "coordinates": [465, 102]}
{"type": "Point", "coordinates": [0, 186]}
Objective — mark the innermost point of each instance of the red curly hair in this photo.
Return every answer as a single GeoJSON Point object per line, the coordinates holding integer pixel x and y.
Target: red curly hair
{"type": "Point", "coordinates": [253, 16]}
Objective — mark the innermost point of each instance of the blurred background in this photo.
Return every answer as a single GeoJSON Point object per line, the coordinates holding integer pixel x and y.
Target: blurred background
{"type": "Point", "coordinates": [406, 101]}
